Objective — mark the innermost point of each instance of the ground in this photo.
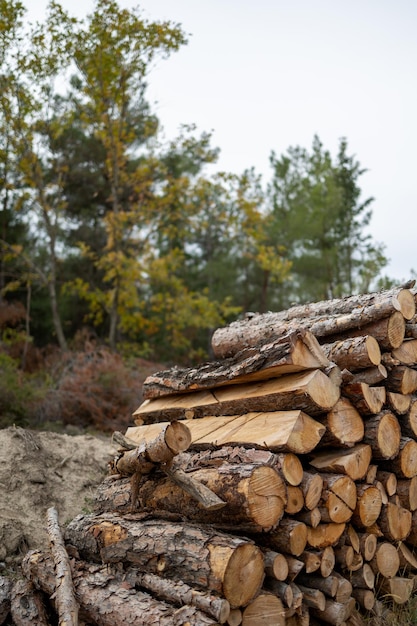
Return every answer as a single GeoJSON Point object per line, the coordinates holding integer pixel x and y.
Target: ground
{"type": "Point", "coordinates": [43, 469]}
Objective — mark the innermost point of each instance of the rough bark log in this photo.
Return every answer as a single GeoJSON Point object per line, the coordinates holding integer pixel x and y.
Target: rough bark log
{"type": "Point", "coordinates": [386, 560]}
{"type": "Point", "coordinates": [108, 599]}
{"type": "Point", "coordinates": [405, 463]}
{"type": "Point", "coordinates": [290, 537]}
{"type": "Point", "coordinates": [65, 602]}
{"type": "Point", "coordinates": [181, 594]}
{"type": "Point", "coordinates": [365, 598]}
{"type": "Point", "coordinates": [5, 597]}
{"type": "Point", "coordinates": [402, 379]}
{"type": "Point", "coordinates": [354, 312]}
{"type": "Point", "coordinates": [363, 578]}
{"type": "Point", "coordinates": [383, 434]}
{"type": "Point", "coordinates": [408, 421]}
{"type": "Point", "coordinates": [367, 400]}
{"type": "Point", "coordinates": [335, 613]}
{"type": "Point", "coordinates": [344, 425]}
{"type": "Point", "coordinates": [255, 496]}
{"type": "Point", "coordinates": [297, 351]}
{"type": "Point", "coordinates": [281, 589]}
{"type": "Point", "coordinates": [368, 506]}
{"type": "Point", "coordinates": [353, 462]}
{"type": "Point", "coordinates": [291, 431]}
{"type": "Point", "coordinates": [265, 604]}
{"type": "Point", "coordinates": [312, 392]}
{"type": "Point", "coordinates": [276, 565]}
{"type": "Point", "coordinates": [399, 403]}
{"type": "Point", "coordinates": [209, 560]}
{"type": "Point", "coordinates": [328, 585]}
{"type": "Point", "coordinates": [27, 605]}
{"type": "Point", "coordinates": [313, 598]}
{"type": "Point", "coordinates": [389, 332]}
{"type": "Point", "coordinates": [354, 353]}
{"type": "Point", "coordinates": [408, 561]}
{"type": "Point", "coordinates": [370, 376]}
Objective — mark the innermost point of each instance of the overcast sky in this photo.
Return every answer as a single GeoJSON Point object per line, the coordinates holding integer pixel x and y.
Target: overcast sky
{"type": "Point", "coordinates": [264, 75]}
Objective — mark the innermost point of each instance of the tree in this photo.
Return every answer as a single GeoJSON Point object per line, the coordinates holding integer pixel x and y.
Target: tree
{"type": "Point", "coordinates": [317, 216]}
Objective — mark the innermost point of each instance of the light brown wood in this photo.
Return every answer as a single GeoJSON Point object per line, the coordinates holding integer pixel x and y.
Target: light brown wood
{"type": "Point", "coordinates": [338, 499]}
{"type": "Point", "coordinates": [368, 544]}
{"type": "Point", "coordinates": [408, 421]}
{"type": "Point", "coordinates": [386, 560]}
{"type": "Point", "coordinates": [312, 392]}
{"type": "Point", "coordinates": [363, 578]}
{"type": "Point", "coordinates": [295, 500]}
{"type": "Point", "coordinates": [389, 481]}
{"type": "Point", "coordinates": [370, 375]}
{"type": "Point", "coordinates": [199, 557]}
{"type": "Point", "coordinates": [335, 613]}
{"type": "Point", "coordinates": [344, 556]}
{"type": "Point", "coordinates": [313, 597]}
{"type": "Point", "coordinates": [383, 434]}
{"type": "Point", "coordinates": [395, 522]}
{"type": "Point", "coordinates": [405, 463]}
{"type": "Point", "coordinates": [295, 566]}
{"type": "Point", "coordinates": [290, 537]}
{"type": "Point", "coordinates": [324, 535]}
{"type": "Point", "coordinates": [312, 487]}
{"type": "Point", "coordinates": [311, 559]}
{"type": "Point", "coordinates": [368, 506]}
{"type": "Point", "coordinates": [310, 517]}
{"type": "Point", "coordinates": [344, 425]}
{"type": "Point", "coordinates": [354, 353]}
{"type": "Point", "coordinates": [412, 536]}
{"type": "Point", "coordinates": [407, 493]}
{"type": "Point", "coordinates": [364, 597]}
{"type": "Point", "coordinates": [398, 588]}
{"type": "Point", "coordinates": [327, 562]}
{"type": "Point", "coordinates": [294, 352]}
{"type": "Point", "coordinates": [353, 462]}
{"type": "Point", "coordinates": [367, 400]}
{"type": "Point", "coordinates": [408, 561]}
{"type": "Point", "coordinates": [290, 467]}
{"type": "Point", "coordinates": [398, 402]}
{"type": "Point", "coordinates": [406, 353]}
{"type": "Point", "coordinates": [402, 379]}
{"type": "Point", "coordinates": [282, 590]}
{"type": "Point", "coordinates": [276, 564]}
{"type": "Point", "coordinates": [264, 604]}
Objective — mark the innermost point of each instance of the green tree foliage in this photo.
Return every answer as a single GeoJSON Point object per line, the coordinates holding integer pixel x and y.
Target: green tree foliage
{"type": "Point", "coordinates": [317, 215]}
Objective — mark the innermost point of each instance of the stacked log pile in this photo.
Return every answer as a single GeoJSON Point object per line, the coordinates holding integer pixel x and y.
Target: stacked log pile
{"type": "Point", "coordinates": [274, 485]}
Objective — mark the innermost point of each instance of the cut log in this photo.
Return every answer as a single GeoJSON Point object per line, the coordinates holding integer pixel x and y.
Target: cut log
{"type": "Point", "coordinates": [399, 403]}
{"type": "Point", "coordinates": [313, 598]}
{"type": "Point", "coordinates": [368, 544]}
{"type": "Point", "coordinates": [354, 353]}
{"type": "Point", "coordinates": [368, 506]}
{"type": "Point", "coordinates": [389, 481]}
{"type": "Point", "coordinates": [412, 536]}
{"type": "Point", "coordinates": [181, 594]}
{"type": "Point", "coordinates": [290, 467]}
{"type": "Point", "coordinates": [370, 477]}
{"type": "Point", "coordinates": [292, 431]}
{"type": "Point", "coordinates": [389, 332]}
{"type": "Point", "coordinates": [408, 562]}
{"type": "Point", "coordinates": [310, 517]}
{"type": "Point", "coordinates": [265, 604]}
{"type": "Point", "coordinates": [383, 434]}
{"type": "Point", "coordinates": [370, 375]}
{"type": "Point", "coordinates": [260, 328]}
{"type": "Point", "coordinates": [294, 352]}
{"type": "Point", "coordinates": [311, 560]}
{"type": "Point", "coordinates": [405, 463]}
{"type": "Point", "coordinates": [367, 400]}
{"type": "Point", "coordinates": [312, 486]}
{"type": "Point", "coordinates": [353, 462]}
{"type": "Point", "coordinates": [109, 600]}
{"type": "Point", "coordinates": [344, 556]}
{"type": "Point", "coordinates": [408, 421]}
{"type": "Point", "coordinates": [344, 425]}
{"type": "Point", "coordinates": [402, 379]}
{"type": "Point", "coordinates": [406, 353]}
{"type": "Point", "coordinates": [276, 565]}
{"type": "Point", "coordinates": [255, 496]}
{"type": "Point", "coordinates": [364, 597]}
{"type": "Point", "coordinates": [327, 561]}
{"type": "Point", "coordinates": [335, 613]}
{"type": "Point", "coordinates": [351, 538]}
{"type": "Point", "coordinates": [295, 500]}
{"type": "Point", "coordinates": [294, 567]}
{"type": "Point", "coordinates": [312, 392]}
{"type": "Point", "coordinates": [235, 617]}
{"type": "Point", "coordinates": [328, 585]}
{"type": "Point", "coordinates": [395, 522]}
{"type": "Point", "coordinates": [324, 535]}
{"type": "Point", "coordinates": [363, 578]}
{"type": "Point", "coordinates": [65, 601]}
{"type": "Point", "coordinates": [230, 566]}
{"type": "Point", "coordinates": [386, 560]}
{"type": "Point", "coordinates": [281, 589]}
{"type": "Point", "coordinates": [290, 537]}
{"type": "Point", "coordinates": [398, 588]}
{"type": "Point", "coordinates": [5, 597]}
{"type": "Point", "coordinates": [407, 493]}
{"type": "Point", "coordinates": [338, 499]}
{"type": "Point", "coordinates": [27, 605]}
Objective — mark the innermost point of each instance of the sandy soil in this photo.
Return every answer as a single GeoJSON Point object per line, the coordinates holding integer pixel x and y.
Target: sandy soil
{"type": "Point", "coordinates": [39, 470]}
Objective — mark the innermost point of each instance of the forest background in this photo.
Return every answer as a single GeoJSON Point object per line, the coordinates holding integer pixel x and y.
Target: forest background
{"type": "Point", "coordinates": [121, 253]}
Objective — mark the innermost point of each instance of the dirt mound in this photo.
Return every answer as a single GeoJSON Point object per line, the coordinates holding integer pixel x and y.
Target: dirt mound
{"type": "Point", "coordinates": [43, 469]}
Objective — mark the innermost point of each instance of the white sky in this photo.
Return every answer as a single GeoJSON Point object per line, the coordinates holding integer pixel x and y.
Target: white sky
{"type": "Point", "coordinates": [268, 74]}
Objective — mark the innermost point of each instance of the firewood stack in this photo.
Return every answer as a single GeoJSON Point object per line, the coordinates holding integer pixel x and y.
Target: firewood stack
{"type": "Point", "coordinates": [274, 485]}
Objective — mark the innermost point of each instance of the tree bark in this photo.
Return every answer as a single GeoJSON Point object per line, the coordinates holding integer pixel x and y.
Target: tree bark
{"type": "Point", "coordinates": [354, 353]}
{"type": "Point", "coordinates": [5, 597]}
{"type": "Point", "coordinates": [367, 400]}
{"type": "Point", "coordinates": [27, 605]}
{"type": "Point", "coordinates": [297, 351]}
{"type": "Point", "coordinates": [209, 560]}
{"type": "Point", "coordinates": [312, 392]}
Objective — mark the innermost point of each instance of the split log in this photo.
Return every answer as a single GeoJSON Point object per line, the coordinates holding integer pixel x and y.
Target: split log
{"type": "Point", "coordinates": [344, 425]}
{"type": "Point", "coordinates": [344, 556]}
{"type": "Point", "coordinates": [311, 560]}
{"type": "Point", "coordinates": [294, 352]}
{"type": "Point", "coordinates": [353, 462]}
{"type": "Point", "coordinates": [313, 598]}
{"type": "Point", "coordinates": [312, 487]}
{"type": "Point", "coordinates": [312, 392]}
{"type": "Point", "coordinates": [354, 353]}
{"type": "Point", "coordinates": [389, 481]}
{"type": "Point", "coordinates": [367, 400]}
{"type": "Point", "coordinates": [291, 431]}
{"type": "Point", "coordinates": [398, 402]}
{"type": "Point", "coordinates": [408, 562]}
{"type": "Point", "coordinates": [405, 463]}
{"type": "Point", "coordinates": [368, 506]}
{"type": "Point", "coordinates": [338, 500]}
{"type": "Point", "coordinates": [181, 594]}
{"type": "Point", "coordinates": [280, 589]}
{"type": "Point", "coordinates": [295, 566]}
{"type": "Point", "coordinates": [264, 604]}
{"type": "Point", "coordinates": [327, 561]}
{"type": "Point", "coordinates": [386, 561]}
{"type": "Point", "coordinates": [109, 600]}
{"type": "Point", "coordinates": [370, 376]}
{"type": "Point", "coordinates": [383, 434]}
{"type": "Point", "coordinates": [310, 517]}
{"type": "Point", "coordinates": [65, 602]}
{"type": "Point", "coordinates": [208, 560]}
{"type": "Point", "coordinates": [276, 565]}
{"type": "Point", "coordinates": [255, 496]}
{"type": "Point", "coordinates": [398, 588]}
{"type": "Point", "coordinates": [260, 328]}
{"type": "Point", "coordinates": [5, 597]}
{"type": "Point", "coordinates": [27, 605]}
{"type": "Point", "coordinates": [402, 379]}
{"type": "Point", "coordinates": [172, 439]}
{"type": "Point", "coordinates": [351, 538]}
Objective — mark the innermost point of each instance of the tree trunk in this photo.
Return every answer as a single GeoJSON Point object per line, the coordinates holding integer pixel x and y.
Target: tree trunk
{"type": "Point", "coordinates": [230, 566]}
